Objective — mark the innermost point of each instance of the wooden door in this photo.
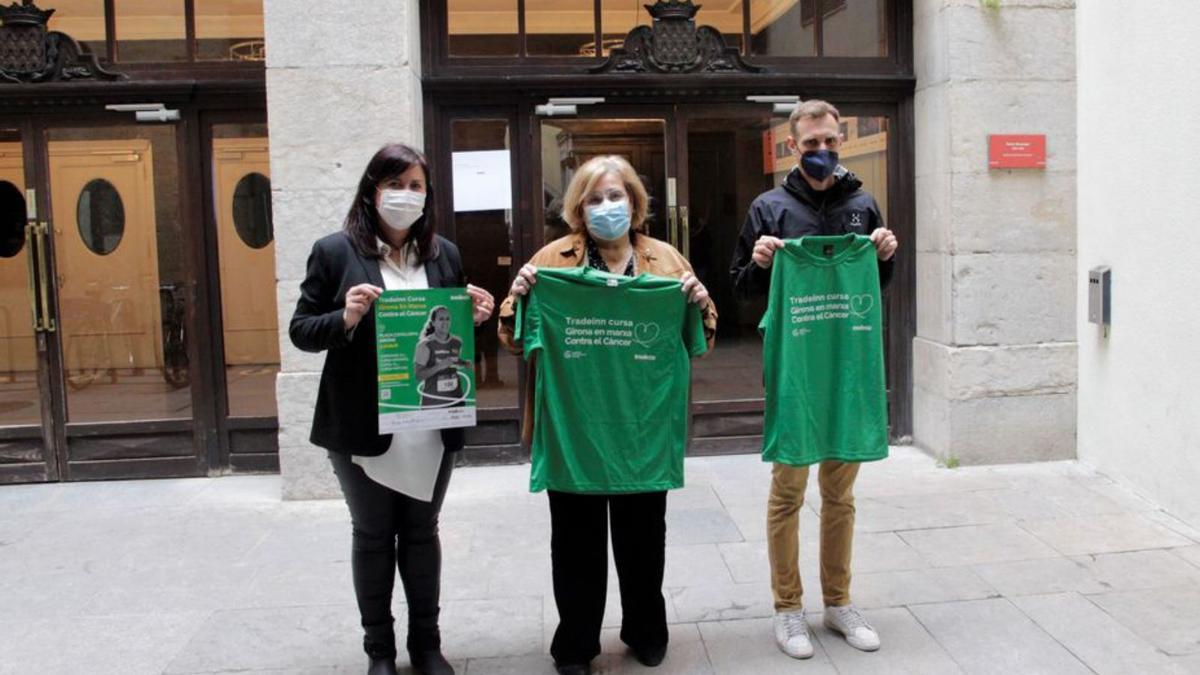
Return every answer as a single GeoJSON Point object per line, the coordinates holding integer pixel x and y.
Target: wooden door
{"type": "Point", "coordinates": [107, 250]}
{"type": "Point", "coordinates": [18, 351]}
{"type": "Point", "coordinates": [241, 192]}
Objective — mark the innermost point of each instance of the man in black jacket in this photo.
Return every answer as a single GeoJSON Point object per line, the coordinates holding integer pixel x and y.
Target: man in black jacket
{"type": "Point", "coordinates": [818, 197]}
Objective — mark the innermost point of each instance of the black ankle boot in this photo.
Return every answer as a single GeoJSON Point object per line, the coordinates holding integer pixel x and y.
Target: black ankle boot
{"type": "Point", "coordinates": [650, 656]}
{"type": "Point", "coordinates": [382, 666]}
{"type": "Point", "coordinates": [430, 662]}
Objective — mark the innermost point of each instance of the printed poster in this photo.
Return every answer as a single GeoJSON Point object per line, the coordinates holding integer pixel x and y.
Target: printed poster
{"type": "Point", "coordinates": [426, 359]}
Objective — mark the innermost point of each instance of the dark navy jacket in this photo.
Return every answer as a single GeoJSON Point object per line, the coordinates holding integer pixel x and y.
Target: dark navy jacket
{"type": "Point", "coordinates": [795, 210]}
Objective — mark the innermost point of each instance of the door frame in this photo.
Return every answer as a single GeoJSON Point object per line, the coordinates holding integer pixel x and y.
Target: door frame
{"type": "Point", "coordinates": [678, 108]}
{"type": "Point", "coordinates": [899, 218]}
{"type": "Point", "coordinates": [57, 431]}
{"type": "Point", "coordinates": [44, 435]}
{"type": "Point", "coordinates": [667, 113]}
{"type": "Point", "coordinates": [496, 438]}
{"type": "Point", "coordinates": [231, 443]}
{"type": "Point", "coordinates": [194, 90]}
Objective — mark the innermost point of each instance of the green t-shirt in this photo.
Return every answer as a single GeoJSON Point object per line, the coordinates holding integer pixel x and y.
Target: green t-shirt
{"type": "Point", "coordinates": [613, 377]}
{"type": "Point", "coordinates": [823, 354]}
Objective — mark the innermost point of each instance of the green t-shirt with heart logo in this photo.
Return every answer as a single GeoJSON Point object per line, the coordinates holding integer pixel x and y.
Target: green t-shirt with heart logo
{"type": "Point", "coordinates": [613, 376]}
{"type": "Point", "coordinates": [823, 370]}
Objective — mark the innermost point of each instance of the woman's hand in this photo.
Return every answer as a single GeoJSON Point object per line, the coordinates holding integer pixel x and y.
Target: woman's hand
{"type": "Point", "coordinates": [695, 291]}
{"type": "Point", "coordinates": [526, 278]}
{"type": "Point", "coordinates": [358, 302]}
{"type": "Point", "coordinates": [482, 303]}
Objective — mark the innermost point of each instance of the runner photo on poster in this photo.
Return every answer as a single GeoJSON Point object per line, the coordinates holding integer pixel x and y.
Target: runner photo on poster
{"type": "Point", "coordinates": [426, 356]}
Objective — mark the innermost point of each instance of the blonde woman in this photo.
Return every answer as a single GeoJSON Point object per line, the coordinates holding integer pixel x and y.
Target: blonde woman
{"type": "Point", "coordinates": [605, 207]}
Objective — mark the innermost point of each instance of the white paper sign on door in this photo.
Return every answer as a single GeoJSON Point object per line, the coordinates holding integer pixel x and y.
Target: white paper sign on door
{"type": "Point", "coordinates": [482, 181]}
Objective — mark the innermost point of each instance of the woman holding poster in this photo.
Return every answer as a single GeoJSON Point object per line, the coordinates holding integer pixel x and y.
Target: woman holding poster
{"type": "Point", "coordinates": [605, 206]}
{"type": "Point", "coordinates": [393, 484]}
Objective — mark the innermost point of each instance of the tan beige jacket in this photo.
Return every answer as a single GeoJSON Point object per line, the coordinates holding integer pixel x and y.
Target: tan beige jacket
{"type": "Point", "coordinates": [653, 256]}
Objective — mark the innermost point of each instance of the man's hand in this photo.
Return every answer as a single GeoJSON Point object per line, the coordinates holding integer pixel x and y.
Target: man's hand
{"type": "Point", "coordinates": [885, 243]}
{"type": "Point", "coordinates": [764, 250]}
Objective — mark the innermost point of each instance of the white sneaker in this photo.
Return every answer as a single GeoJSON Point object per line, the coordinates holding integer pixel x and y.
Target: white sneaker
{"type": "Point", "coordinates": [853, 626]}
{"type": "Point", "coordinates": [791, 633]}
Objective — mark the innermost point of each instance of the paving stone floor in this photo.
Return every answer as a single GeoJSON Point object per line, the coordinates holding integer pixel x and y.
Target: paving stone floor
{"type": "Point", "coordinates": [1032, 568]}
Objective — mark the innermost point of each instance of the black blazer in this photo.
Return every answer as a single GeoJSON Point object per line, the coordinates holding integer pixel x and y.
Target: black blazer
{"type": "Point", "coordinates": [346, 418]}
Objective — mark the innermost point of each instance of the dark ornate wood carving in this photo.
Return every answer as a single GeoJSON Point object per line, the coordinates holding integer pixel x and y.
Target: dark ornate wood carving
{"type": "Point", "coordinates": [674, 44]}
{"type": "Point", "coordinates": [30, 52]}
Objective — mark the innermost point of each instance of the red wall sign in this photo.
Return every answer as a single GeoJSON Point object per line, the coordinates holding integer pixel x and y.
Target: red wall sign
{"type": "Point", "coordinates": [1017, 151]}
{"type": "Point", "coordinates": [768, 146]}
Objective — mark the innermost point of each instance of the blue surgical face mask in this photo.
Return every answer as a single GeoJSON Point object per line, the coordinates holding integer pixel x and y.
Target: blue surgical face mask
{"type": "Point", "coordinates": [819, 164]}
{"type": "Point", "coordinates": [609, 220]}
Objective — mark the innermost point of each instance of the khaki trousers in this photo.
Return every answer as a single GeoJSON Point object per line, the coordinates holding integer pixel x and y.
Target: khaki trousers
{"type": "Point", "coordinates": [836, 482]}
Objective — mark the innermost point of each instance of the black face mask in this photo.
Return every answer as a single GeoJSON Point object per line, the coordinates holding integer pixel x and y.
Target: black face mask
{"type": "Point", "coordinates": [819, 164]}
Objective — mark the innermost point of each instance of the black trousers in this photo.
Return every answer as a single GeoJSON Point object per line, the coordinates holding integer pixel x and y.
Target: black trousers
{"type": "Point", "coordinates": [394, 532]}
{"type": "Point", "coordinates": [579, 555]}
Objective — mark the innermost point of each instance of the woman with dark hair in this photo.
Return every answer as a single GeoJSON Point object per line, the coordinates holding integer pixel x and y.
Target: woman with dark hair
{"type": "Point", "coordinates": [394, 484]}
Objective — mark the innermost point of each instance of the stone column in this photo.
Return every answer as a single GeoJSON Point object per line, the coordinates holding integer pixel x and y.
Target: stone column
{"type": "Point", "coordinates": [994, 360]}
{"type": "Point", "coordinates": [342, 80]}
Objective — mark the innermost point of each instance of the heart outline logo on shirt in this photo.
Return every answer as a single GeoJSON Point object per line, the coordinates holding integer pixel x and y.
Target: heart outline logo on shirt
{"type": "Point", "coordinates": [861, 304]}
{"type": "Point", "coordinates": [645, 333]}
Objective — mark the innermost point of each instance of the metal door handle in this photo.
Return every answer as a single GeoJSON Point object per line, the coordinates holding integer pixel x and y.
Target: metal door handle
{"type": "Point", "coordinates": [673, 226]}
{"type": "Point", "coordinates": [30, 236]}
{"type": "Point", "coordinates": [44, 278]}
{"type": "Point", "coordinates": [687, 233]}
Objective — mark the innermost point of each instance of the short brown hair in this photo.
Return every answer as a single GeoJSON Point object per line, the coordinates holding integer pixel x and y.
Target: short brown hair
{"type": "Point", "coordinates": [584, 181]}
{"type": "Point", "coordinates": [814, 108]}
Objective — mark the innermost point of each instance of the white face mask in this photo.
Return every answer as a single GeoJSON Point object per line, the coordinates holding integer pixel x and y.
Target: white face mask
{"type": "Point", "coordinates": [399, 209]}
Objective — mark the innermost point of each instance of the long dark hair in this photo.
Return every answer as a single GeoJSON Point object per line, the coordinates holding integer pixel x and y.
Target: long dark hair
{"type": "Point", "coordinates": [363, 225]}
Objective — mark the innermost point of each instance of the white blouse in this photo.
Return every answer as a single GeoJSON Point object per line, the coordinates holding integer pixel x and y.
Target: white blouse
{"type": "Point", "coordinates": [410, 464]}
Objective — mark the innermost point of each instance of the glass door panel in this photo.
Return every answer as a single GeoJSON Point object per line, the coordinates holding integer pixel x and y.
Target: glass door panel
{"type": "Point", "coordinates": [727, 168]}
{"type": "Point", "coordinates": [483, 229]}
{"type": "Point", "coordinates": [20, 401]}
{"type": "Point", "coordinates": [246, 250]}
{"type": "Point", "coordinates": [568, 143]}
{"type": "Point", "coordinates": [731, 160]}
{"type": "Point", "coordinates": [25, 451]}
{"type": "Point", "coordinates": [865, 152]}
{"type": "Point", "coordinates": [120, 273]}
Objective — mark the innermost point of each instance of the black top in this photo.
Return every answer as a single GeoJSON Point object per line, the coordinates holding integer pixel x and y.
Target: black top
{"type": "Point", "coordinates": [346, 419]}
{"type": "Point", "coordinates": [596, 261]}
{"type": "Point", "coordinates": [795, 210]}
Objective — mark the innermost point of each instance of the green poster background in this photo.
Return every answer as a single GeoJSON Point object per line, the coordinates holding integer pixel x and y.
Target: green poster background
{"type": "Point", "coordinates": [425, 343]}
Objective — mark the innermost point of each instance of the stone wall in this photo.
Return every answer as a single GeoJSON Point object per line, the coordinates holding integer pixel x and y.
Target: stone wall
{"type": "Point", "coordinates": [1138, 396]}
{"type": "Point", "coordinates": [994, 360]}
{"type": "Point", "coordinates": [342, 80]}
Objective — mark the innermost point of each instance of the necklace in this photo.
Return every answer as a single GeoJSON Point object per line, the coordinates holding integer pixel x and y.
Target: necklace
{"type": "Point", "coordinates": [596, 261]}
